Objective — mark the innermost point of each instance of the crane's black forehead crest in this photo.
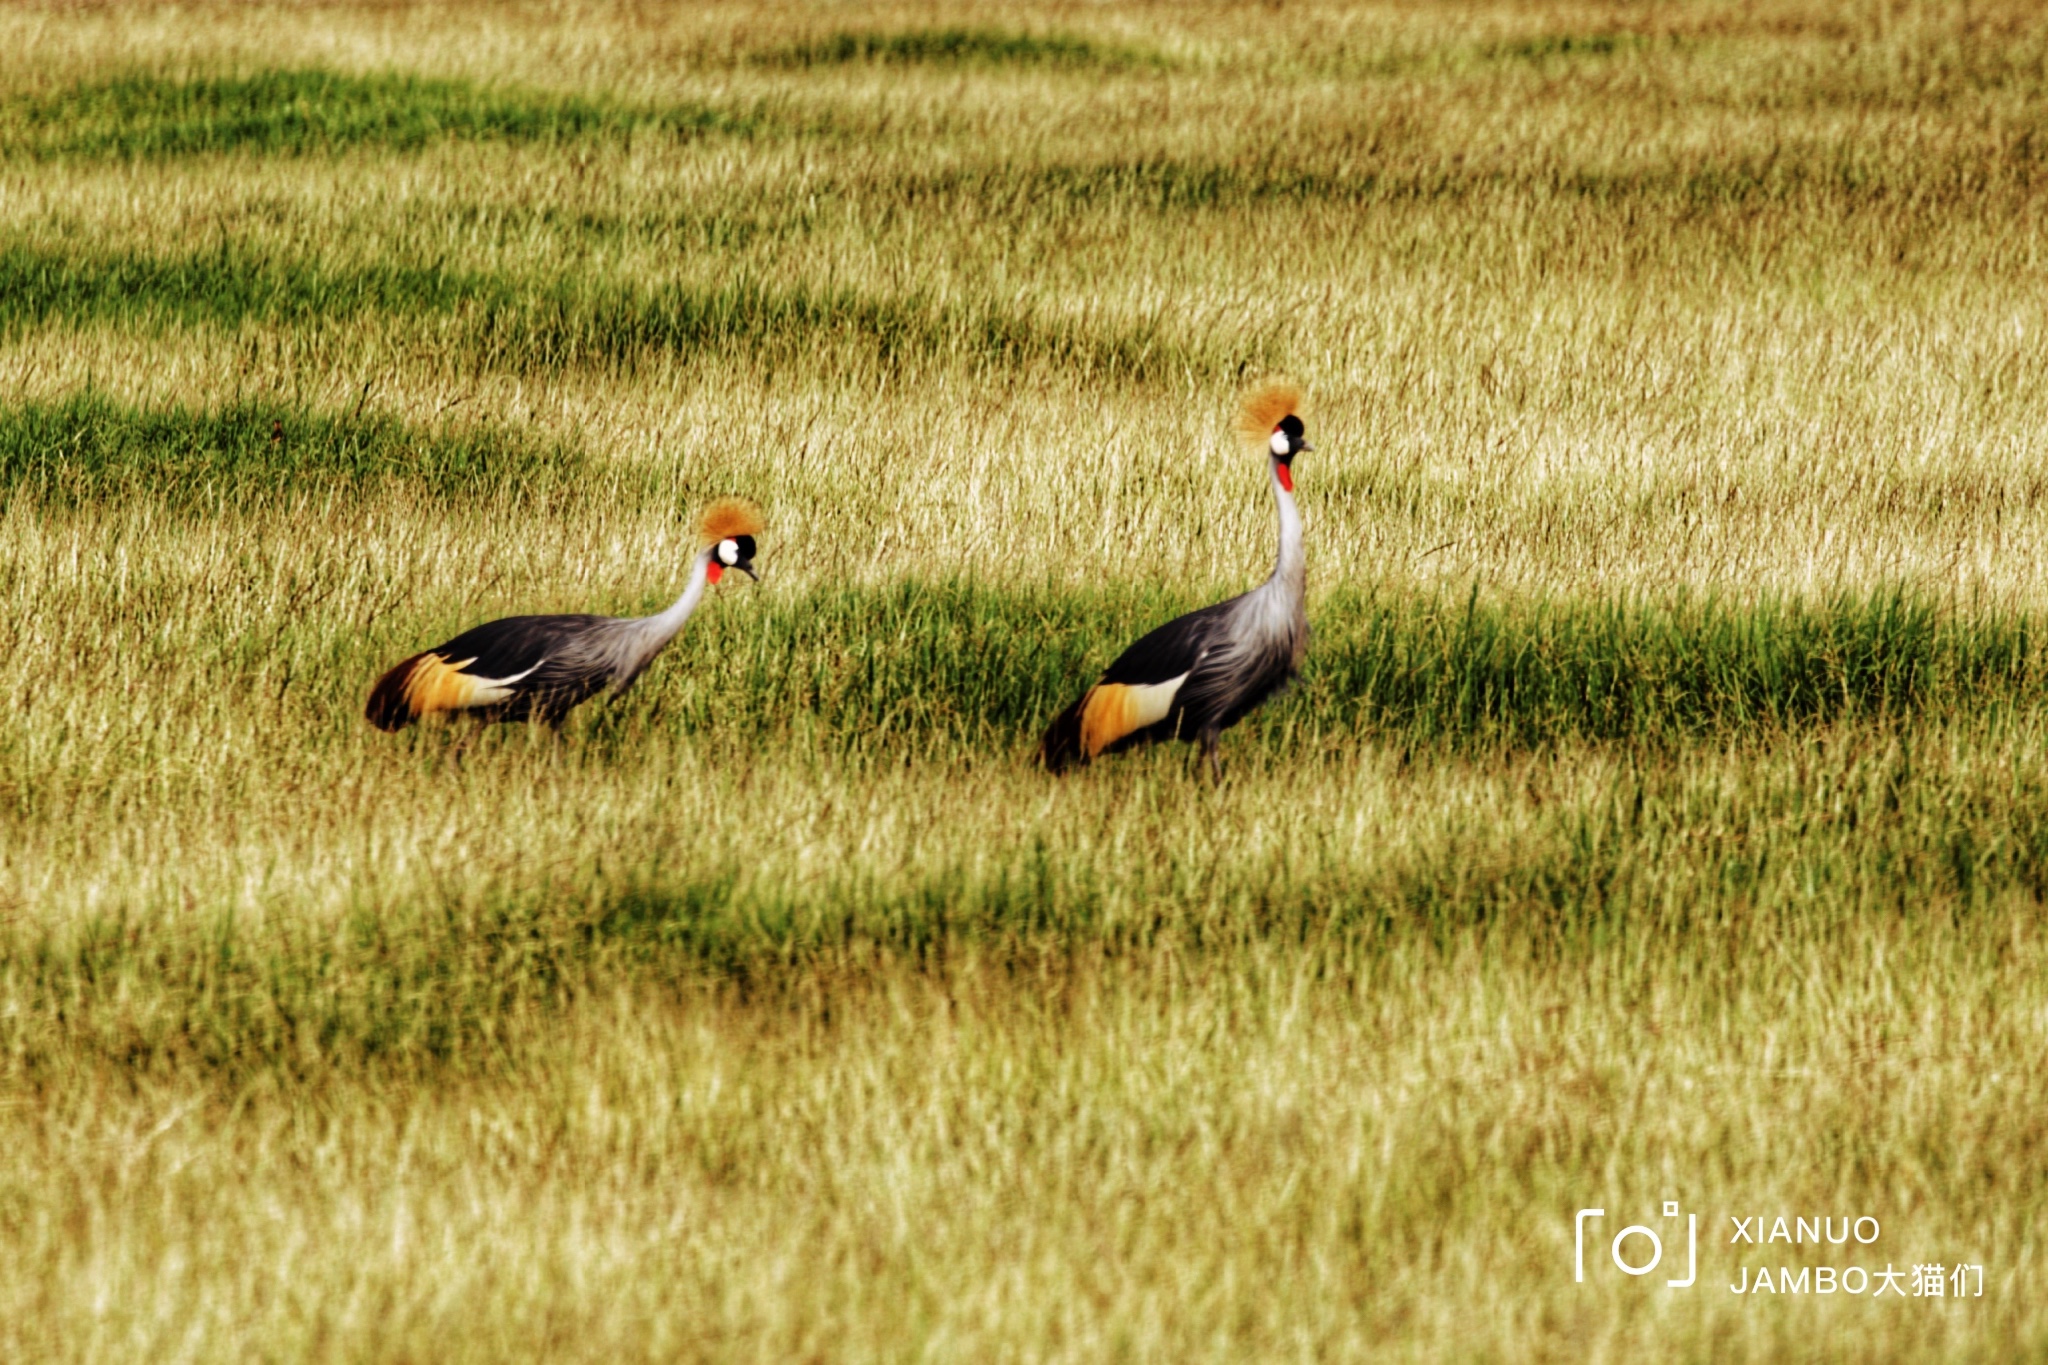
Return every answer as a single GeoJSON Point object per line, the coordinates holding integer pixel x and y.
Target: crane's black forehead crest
{"type": "Point", "coordinates": [1292, 426]}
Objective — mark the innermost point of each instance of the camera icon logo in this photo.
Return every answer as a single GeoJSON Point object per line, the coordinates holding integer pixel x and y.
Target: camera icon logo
{"type": "Point", "coordinates": [1640, 1232]}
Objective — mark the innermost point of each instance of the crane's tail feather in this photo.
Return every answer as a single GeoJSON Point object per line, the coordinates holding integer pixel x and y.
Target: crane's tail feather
{"type": "Point", "coordinates": [427, 683]}
{"type": "Point", "coordinates": [390, 706]}
{"type": "Point", "coordinates": [1061, 748]}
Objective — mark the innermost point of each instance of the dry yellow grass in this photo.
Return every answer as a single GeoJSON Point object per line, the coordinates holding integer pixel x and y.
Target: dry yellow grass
{"type": "Point", "coordinates": [1156, 1161]}
{"type": "Point", "coordinates": [704, 1034]}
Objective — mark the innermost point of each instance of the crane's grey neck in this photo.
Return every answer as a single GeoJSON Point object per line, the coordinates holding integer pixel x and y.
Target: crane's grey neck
{"type": "Point", "coordinates": [623, 646]}
{"type": "Point", "coordinates": [657, 630]}
{"type": "Point", "coordinates": [1291, 569]}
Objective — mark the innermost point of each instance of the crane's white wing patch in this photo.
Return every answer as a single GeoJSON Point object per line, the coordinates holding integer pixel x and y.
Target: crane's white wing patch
{"type": "Point", "coordinates": [491, 691]}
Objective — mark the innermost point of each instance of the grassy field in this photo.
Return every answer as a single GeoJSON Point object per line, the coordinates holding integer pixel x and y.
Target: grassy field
{"type": "Point", "coordinates": [1662, 814]}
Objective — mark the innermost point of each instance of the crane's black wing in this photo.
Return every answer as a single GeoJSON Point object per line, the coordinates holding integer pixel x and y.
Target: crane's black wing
{"type": "Point", "coordinates": [1138, 696]}
{"type": "Point", "coordinates": [1251, 657]}
{"type": "Point", "coordinates": [516, 644]}
{"type": "Point", "coordinates": [501, 667]}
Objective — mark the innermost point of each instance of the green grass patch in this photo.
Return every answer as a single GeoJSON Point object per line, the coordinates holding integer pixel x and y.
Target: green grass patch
{"type": "Point", "coordinates": [1819, 174]}
{"type": "Point", "coordinates": [959, 47]}
{"type": "Point", "coordinates": [1526, 673]}
{"type": "Point", "coordinates": [90, 448]}
{"type": "Point", "coordinates": [225, 285]}
{"type": "Point", "coordinates": [960, 667]}
{"type": "Point", "coordinates": [576, 325]}
{"type": "Point", "coordinates": [309, 112]}
{"type": "Point", "coordinates": [570, 323]}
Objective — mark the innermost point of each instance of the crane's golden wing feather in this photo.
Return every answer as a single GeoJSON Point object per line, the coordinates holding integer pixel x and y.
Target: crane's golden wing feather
{"type": "Point", "coordinates": [1114, 711]}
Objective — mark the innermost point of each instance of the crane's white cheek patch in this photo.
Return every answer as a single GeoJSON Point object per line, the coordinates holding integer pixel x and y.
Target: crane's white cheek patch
{"type": "Point", "coordinates": [1277, 442]}
{"type": "Point", "coordinates": [728, 553]}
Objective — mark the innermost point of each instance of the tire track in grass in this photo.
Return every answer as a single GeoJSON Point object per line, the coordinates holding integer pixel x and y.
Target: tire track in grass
{"type": "Point", "coordinates": [953, 666]}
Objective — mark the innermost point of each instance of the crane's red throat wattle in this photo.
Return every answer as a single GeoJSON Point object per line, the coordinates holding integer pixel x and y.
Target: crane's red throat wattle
{"type": "Point", "coordinates": [713, 571]}
{"type": "Point", "coordinates": [1286, 477]}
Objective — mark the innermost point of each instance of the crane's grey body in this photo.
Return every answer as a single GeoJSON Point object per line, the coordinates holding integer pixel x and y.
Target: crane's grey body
{"type": "Point", "coordinates": [1196, 676]}
{"type": "Point", "coordinates": [560, 662]}
{"type": "Point", "coordinates": [543, 667]}
{"type": "Point", "coordinates": [1241, 650]}
{"type": "Point", "coordinates": [531, 667]}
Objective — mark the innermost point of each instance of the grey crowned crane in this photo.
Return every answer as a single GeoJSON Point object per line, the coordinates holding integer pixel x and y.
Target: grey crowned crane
{"type": "Point", "coordinates": [1195, 677]}
{"type": "Point", "coordinates": [543, 667]}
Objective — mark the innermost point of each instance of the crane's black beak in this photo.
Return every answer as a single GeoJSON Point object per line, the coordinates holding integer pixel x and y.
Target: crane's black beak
{"type": "Point", "coordinates": [748, 570]}
{"type": "Point", "coordinates": [1303, 448]}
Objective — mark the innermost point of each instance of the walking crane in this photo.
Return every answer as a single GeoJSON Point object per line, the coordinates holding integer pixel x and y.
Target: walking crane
{"type": "Point", "coordinates": [543, 667]}
{"type": "Point", "coordinates": [1195, 677]}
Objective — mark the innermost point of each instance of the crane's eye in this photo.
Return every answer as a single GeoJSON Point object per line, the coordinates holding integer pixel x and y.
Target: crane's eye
{"type": "Point", "coordinates": [728, 553]}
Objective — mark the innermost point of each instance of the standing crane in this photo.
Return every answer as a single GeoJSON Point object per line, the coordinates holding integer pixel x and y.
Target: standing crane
{"type": "Point", "coordinates": [1195, 677]}
{"type": "Point", "coordinates": [543, 667]}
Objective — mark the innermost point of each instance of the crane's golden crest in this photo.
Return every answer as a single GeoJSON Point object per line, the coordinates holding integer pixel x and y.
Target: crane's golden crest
{"type": "Point", "coordinates": [728, 518]}
{"type": "Point", "coordinates": [1264, 408]}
